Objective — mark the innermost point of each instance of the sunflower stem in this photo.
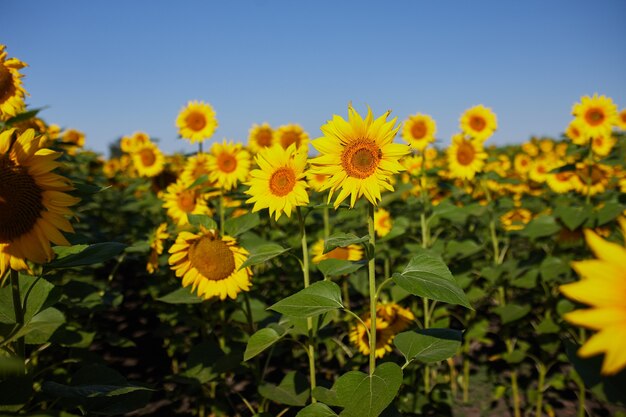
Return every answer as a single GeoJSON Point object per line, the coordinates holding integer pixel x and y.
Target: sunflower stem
{"type": "Point", "coordinates": [326, 223]}
{"type": "Point", "coordinates": [372, 286]}
{"type": "Point", "coordinates": [309, 320]}
{"type": "Point", "coordinates": [19, 311]}
{"type": "Point", "coordinates": [222, 213]}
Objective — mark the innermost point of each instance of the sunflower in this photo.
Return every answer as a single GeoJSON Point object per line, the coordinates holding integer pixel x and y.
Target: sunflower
{"type": "Point", "coordinates": [591, 180]}
{"type": "Point", "coordinates": [419, 131]}
{"type": "Point", "coordinates": [111, 167]}
{"type": "Point", "coordinates": [398, 319]}
{"type": "Point", "coordinates": [359, 156]}
{"type": "Point", "coordinates": [576, 132]}
{"type": "Point", "coordinates": [279, 184]}
{"type": "Point", "coordinates": [598, 114]}
{"type": "Point", "coordinates": [316, 181]}
{"type": "Point", "coordinates": [74, 137]}
{"type": "Point", "coordinates": [148, 160]}
{"type": "Point", "coordinates": [516, 219]}
{"type": "Point", "coordinates": [479, 122]}
{"type": "Point", "coordinates": [33, 202]}
{"type": "Point", "coordinates": [621, 119]}
{"type": "Point", "coordinates": [228, 164]}
{"type": "Point", "coordinates": [384, 337]}
{"type": "Point", "coordinates": [197, 121]}
{"type": "Point", "coordinates": [156, 247]}
{"type": "Point", "coordinates": [546, 145]}
{"type": "Point", "coordinates": [382, 222]}
{"type": "Point", "coordinates": [349, 253]}
{"type": "Point", "coordinates": [260, 137]}
{"type": "Point", "coordinates": [539, 169]}
{"type": "Point", "coordinates": [11, 91]}
{"type": "Point", "coordinates": [602, 145]}
{"type": "Point", "coordinates": [195, 167]}
{"type": "Point", "coordinates": [466, 157]}
{"type": "Point", "coordinates": [286, 135]}
{"type": "Point", "coordinates": [180, 200]}
{"type": "Point", "coordinates": [561, 182]}
{"type": "Point", "coordinates": [602, 287]}
{"type": "Point", "coordinates": [210, 264]}
{"type": "Point", "coordinates": [531, 147]}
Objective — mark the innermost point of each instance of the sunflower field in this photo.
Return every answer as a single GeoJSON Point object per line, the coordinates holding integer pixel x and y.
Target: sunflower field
{"type": "Point", "coordinates": [368, 272]}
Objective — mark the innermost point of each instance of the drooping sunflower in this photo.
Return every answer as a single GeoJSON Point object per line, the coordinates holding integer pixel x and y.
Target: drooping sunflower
{"type": "Point", "coordinates": [148, 160]}
{"type": "Point", "coordinates": [419, 131]}
{"type": "Point", "coordinates": [181, 200]}
{"type": "Point", "coordinates": [384, 337]}
{"type": "Point", "coordinates": [260, 137]}
{"type": "Point", "coordinates": [516, 219]}
{"type": "Point", "coordinates": [197, 121]}
{"type": "Point", "coordinates": [602, 288]}
{"type": "Point", "coordinates": [279, 184]}
{"type": "Point", "coordinates": [11, 91]}
{"type": "Point", "coordinates": [229, 164]}
{"type": "Point", "coordinates": [597, 114]}
{"type": "Point", "coordinates": [359, 156]}
{"type": "Point", "coordinates": [382, 222]}
{"type": "Point", "coordinates": [466, 157]}
{"type": "Point", "coordinates": [349, 253]}
{"type": "Point", "coordinates": [156, 247]}
{"type": "Point", "coordinates": [479, 122]}
{"type": "Point", "coordinates": [33, 202]}
{"type": "Point", "coordinates": [210, 264]}
{"type": "Point", "coordinates": [286, 135]}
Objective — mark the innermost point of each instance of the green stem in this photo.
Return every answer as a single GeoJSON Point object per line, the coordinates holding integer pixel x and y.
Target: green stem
{"type": "Point", "coordinates": [372, 287]}
{"type": "Point", "coordinates": [248, 312]}
{"type": "Point", "coordinates": [540, 387]}
{"type": "Point", "coordinates": [326, 223]}
{"type": "Point", "coordinates": [581, 400]}
{"type": "Point", "coordinates": [466, 377]}
{"type": "Point", "coordinates": [309, 321]}
{"type": "Point", "coordinates": [19, 311]}
{"type": "Point", "coordinates": [426, 326]}
{"type": "Point", "coordinates": [516, 400]}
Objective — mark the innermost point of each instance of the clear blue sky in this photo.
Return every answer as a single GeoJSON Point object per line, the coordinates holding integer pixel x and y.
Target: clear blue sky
{"type": "Point", "coordinates": [110, 68]}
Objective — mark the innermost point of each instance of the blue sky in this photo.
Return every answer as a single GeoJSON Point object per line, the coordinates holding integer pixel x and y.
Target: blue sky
{"type": "Point", "coordinates": [110, 68]}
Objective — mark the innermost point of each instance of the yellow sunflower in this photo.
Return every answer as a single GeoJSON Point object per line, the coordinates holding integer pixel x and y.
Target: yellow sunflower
{"type": "Point", "coordinates": [516, 219]}
{"type": "Point", "coordinates": [210, 264]}
{"type": "Point", "coordinates": [479, 122]}
{"type": "Point", "coordinates": [287, 135]}
{"type": "Point", "coordinates": [279, 184]}
{"type": "Point", "coordinates": [384, 337]}
{"type": "Point", "coordinates": [621, 119]}
{"type": "Point", "coordinates": [74, 137]}
{"type": "Point", "coordinates": [11, 91]}
{"type": "Point", "coordinates": [33, 202]}
{"type": "Point", "coordinates": [398, 318]}
{"type": "Point", "coordinates": [229, 164]}
{"type": "Point", "coordinates": [598, 114]}
{"type": "Point", "coordinates": [576, 132]}
{"type": "Point", "coordinates": [260, 137]}
{"type": "Point", "coordinates": [602, 145]}
{"type": "Point", "coordinates": [546, 145]}
{"type": "Point", "coordinates": [531, 147]}
{"type": "Point", "coordinates": [419, 131]}
{"type": "Point", "coordinates": [561, 182]}
{"type": "Point", "coordinates": [156, 247]}
{"type": "Point", "coordinates": [359, 156]}
{"type": "Point", "coordinates": [111, 167]}
{"type": "Point", "coordinates": [382, 222]}
{"type": "Point", "coordinates": [591, 180]}
{"type": "Point", "coordinates": [195, 167]}
{"type": "Point", "coordinates": [316, 181]}
{"type": "Point", "coordinates": [148, 160]}
{"type": "Point", "coordinates": [539, 169]}
{"type": "Point", "coordinates": [349, 253]}
{"type": "Point", "coordinates": [602, 287]}
{"type": "Point", "coordinates": [197, 121]}
{"type": "Point", "coordinates": [466, 157]}
{"type": "Point", "coordinates": [180, 200]}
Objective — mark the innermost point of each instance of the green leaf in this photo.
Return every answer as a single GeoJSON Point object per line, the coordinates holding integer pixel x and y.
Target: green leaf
{"type": "Point", "coordinates": [238, 225]}
{"type": "Point", "coordinates": [292, 390]}
{"type": "Point", "coordinates": [203, 220]}
{"type": "Point", "coordinates": [338, 267]}
{"type": "Point", "coordinates": [572, 216]}
{"type": "Point", "coordinates": [511, 312]}
{"type": "Point", "coordinates": [462, 249]}
{"type": "Point", "coordinates": [182, 295]}
{"type": "Point", "coordinates": [89, 255]}
{"type": "Point", "coordinates": [318, 298]}
{"type": "Point", "coordinates": [362, 395]}
{"type": "Point", "coordinates": [552, 267]}
{"type": "Point", "coordinates": [547, 326]}
{"type": "Point", "coordinates": [541, 226]}
{"type": "Point", "coordinates": [34, 292]}
{"type": "Point", "coordinates": [39, 329]}
{"type": "Point", "coordinates": [202, 361]}
{"type": "Point", "coordinates": [342, 240]}
{"type": "Point", "coordinates": [327, 396]}
{"type": "Point", "coordinates": [610, 211]}
{"type": "Point", "coordinates": [428, 345]}
{"type": "Point", "coordinates": [316, 410]}
{"type": "Point", "coordinates": [427, 276]}
{"type": "Point", "coordinates": [261, 340]}
{"type": "Point", "coordinates": [263, 253]}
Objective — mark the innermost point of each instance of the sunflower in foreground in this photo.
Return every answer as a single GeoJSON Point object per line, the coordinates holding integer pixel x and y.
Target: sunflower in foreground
{"type": "Point", "coordinates": [33, 202]}
{"type": "Point", "coordinates": [349, 253]}
{"type": "Point", "coordinates": [210, 264]}
{"type": "Point", "coordinates": [479, 122]}
{"type": "Point", "coordinates": [148, 160]}
{"type": "Point", "coordinates": [359, 156]}
{"type": "Point", "coordinates": [596, 114]}
{"type": "Point", "coordinates": [279, 184]}
{"type": "Point", "coordinates": [197, 121]}
{"type": "Point", "coordinates": [229, 164]}
{"type": "Point", "coordinates": [602, 288]}
{"type": "Point", "coordinates": [11, 91]}
{"type": "Point", "coordinates": [466, 157]}
{"type": "Point", "coordinates": [419, 131]}
{"type": "Point", "coordinates": [260, 137]}
{"type": "Point", "coordinates": [180, 200]}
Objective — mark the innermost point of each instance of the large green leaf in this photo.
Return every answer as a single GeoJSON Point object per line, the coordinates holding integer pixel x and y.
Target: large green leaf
{"type": "Point", "coordinates": [428, 345]}
{"type": "Point", "coordinates": [541, 226]}
{"type": "Point", "coordinates": [292, 390]}
{"type": "Point", "coordinates": [316, 410]}
{"type": "Point", "coordinates": [88, 255]}
{"type": "Point", "coordinates": [318, 298]}
{"type": "Point", "coordinates": [183, 295]}
{"type": "Point", "coordinates": [263, 339]}
{"type": "Point", "coordinates": [341, 240]}
{"type": "Point", "coordinates": [238, 225]}
{"type": "Point", "coordinates": [34, 292]}
{"type": "Point", "coordinates": [338, 267]}
{"type": "Point", "coordinates": [572, 216]}
{"type": "Point", "coordinates": [427, 276]}
{"type": "Point", "coordinates": [263, 253]}
{"type": "Point", "coordinates": [363, 395]}
{"type": "Point", "coordinates": [43, 324]}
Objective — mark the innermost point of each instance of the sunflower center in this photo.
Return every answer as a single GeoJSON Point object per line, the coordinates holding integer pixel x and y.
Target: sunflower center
{"type": "Point", "coordinates": [594, 116]}
{"type": "Point", "coordinates": [226, 162]}
{"type": "Point", "coordinates": [477, 123]}
{"type": "Point", "coordinates": [563, 176]}
{"type": "Point", "coordinates": [6, 83]}
{"type": "Point", "coordinates": [212, 258]}
{"type": "Point", "coordinates": [187, 201]}
{"type": "Point", "coordinates": [264, 137]}
{"type": "Point", "coordinates": [195, 121]}
{"type": "Point", "coordinates": [147, 157]}
{"type": "Point", "coordinates": [465, 153]}
{"type": "Point", "coordinates": [288, 138]}
{"type": "Point", "coordinates": [418, 130]}
{"type": "Point", "coordinates": [339, 253]}
{"type": "Point", "coordinates": [360, 158]}
{"type": "Point", "coordinates": [623, 116]}
{"type": "Point", "coordinates": [20, 201]}
{"type": "Point", "coordinates": [282, 181]}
